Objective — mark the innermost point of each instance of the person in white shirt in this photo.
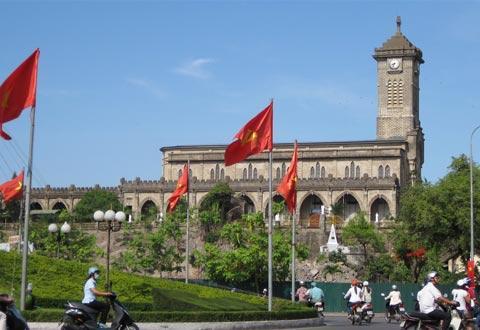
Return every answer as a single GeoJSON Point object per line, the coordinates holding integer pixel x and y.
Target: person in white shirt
{"type": "Point", "coordinates": [428, 298]}
{"type": "Point", "coordinates": [367, 292]}
{"type": "Point", "coordinates": [460, 295]}
{"type": "Point", "coordinates": [395, 299]}
{"type": "Point", "coordinates": [90, 293]}
{"type": "Point", "coordinates": [354, 295]}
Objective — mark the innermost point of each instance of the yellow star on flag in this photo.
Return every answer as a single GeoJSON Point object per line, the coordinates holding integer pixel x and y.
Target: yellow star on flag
{"type": "Point", "coordinates": [251, 136]}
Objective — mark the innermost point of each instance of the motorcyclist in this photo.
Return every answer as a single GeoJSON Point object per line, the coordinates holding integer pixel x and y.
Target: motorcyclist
{"type": "Point", "coordinates": [429, 297]}
{"type": "Point", "coordinates": [315, 294]}
{"type": "Point", "coordinates": [460, 294]}
{"type": "Point", "coordinates": [354, 295]}
{"type": "Point", "coordinates": [367, 292]}
{"type": "Point", "coordinates": [91, 292]}
{"type": "Point", "coordinates": [5, 300]}
{"type": "Point", "coordinates": [395, 299]}
{"type": "Point", "coordinates": [301, 293]}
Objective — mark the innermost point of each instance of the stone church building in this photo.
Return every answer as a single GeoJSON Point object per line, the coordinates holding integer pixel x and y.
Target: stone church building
{"type": "Point", "coordinates": [360, 175]}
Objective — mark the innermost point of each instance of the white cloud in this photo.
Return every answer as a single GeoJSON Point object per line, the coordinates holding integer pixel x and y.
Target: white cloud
{"type": "Point", "coordinates": [195, 68]}
{"type": "Point", "coordinates": [147, 85]}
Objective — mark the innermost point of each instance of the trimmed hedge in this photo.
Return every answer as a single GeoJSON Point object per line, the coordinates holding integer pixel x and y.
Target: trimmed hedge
{"type": "Point", "coordinates": [55, 315]}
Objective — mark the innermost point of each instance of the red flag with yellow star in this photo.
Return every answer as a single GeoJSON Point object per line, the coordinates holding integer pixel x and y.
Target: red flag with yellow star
{"type": "Point", "coordinates": [255, 137]}
{"type": "Point", "coordinates": [18, 91]}
{"type": "Point", "coordinates": [288, 187]}
{"type": "Point", "coordinates": [12, 189]}
{"type": "Point", "coordinates": [182, 188]}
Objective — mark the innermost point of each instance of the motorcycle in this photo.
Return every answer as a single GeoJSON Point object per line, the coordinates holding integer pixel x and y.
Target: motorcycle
{"type": "Point", "coordinates": [319, 306]}
{"type": "Point", "coordinates": [361, 311]}
{"type": "Point", "coordinates": [397, 310]}
{"type": "Point", "coordinates": [15, 320]}
{"type": "Point", "coordinates": [418, 320]}
{"type": "Point", "coordinates": [78, 316]}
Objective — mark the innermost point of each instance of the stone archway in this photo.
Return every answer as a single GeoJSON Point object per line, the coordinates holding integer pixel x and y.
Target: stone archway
{"type": "Point", "coordinates": [59, 206]}
{"type": "Point", "coordinates": [380, 207]}
{"type": "Point", "coordinates": [349, 206]}
{"type": "Point", "coordinates": [149, 210]}
{"type": "Point", "coordinates": [35, 206]}
{"type": "Point", "coordinates": [247, 204]}
{"type": "Point", "coordinates": [310, 211]}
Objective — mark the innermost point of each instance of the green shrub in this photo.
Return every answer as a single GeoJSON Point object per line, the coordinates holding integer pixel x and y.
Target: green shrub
{"type": "Point", "coordinates": [54, 315]}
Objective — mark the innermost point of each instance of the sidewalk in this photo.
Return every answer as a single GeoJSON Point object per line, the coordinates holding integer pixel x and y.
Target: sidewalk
{"type": "Point", "coordinates": [281, 324]}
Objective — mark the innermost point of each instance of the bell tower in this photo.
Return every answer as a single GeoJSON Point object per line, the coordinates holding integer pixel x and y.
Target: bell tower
{"type": "Point", "coordinates": [398, 83]}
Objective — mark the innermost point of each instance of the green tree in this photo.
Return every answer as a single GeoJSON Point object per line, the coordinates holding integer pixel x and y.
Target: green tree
{"type": "Point", "coordinates": [360, 232]}
{"type": "Point", "coordinates": [76, 245]}
{"type": "Point", "coordinates": [158, 250]}
{"type": "Point", "coordinates": [240, 255]}
{"type": "Point", "coordinates": [437, 216]}
{"type": "Point", "coordinates": [96, 200]}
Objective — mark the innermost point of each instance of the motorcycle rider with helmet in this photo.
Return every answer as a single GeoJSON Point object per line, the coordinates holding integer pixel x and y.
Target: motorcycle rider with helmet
{"type": "Point", "coordinates": [354, 296]}
{"type": "Point", "coordinates": [428, 299]}
{"type": "Point", "coordinates": [301, 293]}
{"type": "Point", "coordinates": [91, 292]}
{"type": "Point", "coordinates": [315, 294]}
{"type": "Point", "coordinates": [5, 300]}
{"type": "Point", "coordinates": [460, 294]}
{"type": "Point", "coordinates": [395, 299]}
{"type": "Point", "coordinates": [367, 292]}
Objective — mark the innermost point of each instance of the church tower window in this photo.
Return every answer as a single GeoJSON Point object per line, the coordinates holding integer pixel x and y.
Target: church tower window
{"type": "Point", "coordinates": [323, 172]}
{"type": "Point", "coordinates": [255, 173]}
{"type": "Point", "coordinates": [217, 172]}
{"type": "Point", "coordinates": [317, 170]}
{"type": "Point", "coordinates": [352, 170]}
{"type": "Point", "coordinates": [312, 172]}
{"type": "Point", "coordinates": [357, 172]}
{"type": "Point", "coordinates": [244, 174]}
{"type": "Point", "coordinates": [347, 171]}
{"type": "Point", "coordinates": [277, 175]}
{"type": "Point", "coordinates": [222, 174]}
{"type": "Point", "coordinates": [380, 171]}
{"type": "Point", "coordinates": [212, 174]}
{"type": "Point", "coordinates": [250, 171]}
{"type": "Point", "coordinates": [387, 171]}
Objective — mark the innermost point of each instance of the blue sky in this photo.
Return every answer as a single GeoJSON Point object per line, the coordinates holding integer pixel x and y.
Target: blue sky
{"type": "Point", "coordinates": [119, 80]}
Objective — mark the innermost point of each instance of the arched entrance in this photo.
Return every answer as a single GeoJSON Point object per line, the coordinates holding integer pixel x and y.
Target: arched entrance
{"type": "Point", "coordinates": [310, 211]}
{"type": "Point", "coordinates": [149, 210]}
{"type": "Point", "coordinates": [380, 207]}
{"type": "Point", "coordinates": [349, 206]}
{"type": "Point", "coordinates": [247, 204]}
{"type": "Point", "coordinates": [35, 206]}
{"type": "Point", "coordinates": [59, 206]}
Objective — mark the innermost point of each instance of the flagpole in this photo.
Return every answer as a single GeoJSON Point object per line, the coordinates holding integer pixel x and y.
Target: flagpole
{"type": "Point", "coordinates": [27, 213]}
{"type": "Point", "coordinates": [187, 248]}
{"type": "Point", "coordinates": [270, 230]}
{"type": "Point", "coordinates": [293, 254]}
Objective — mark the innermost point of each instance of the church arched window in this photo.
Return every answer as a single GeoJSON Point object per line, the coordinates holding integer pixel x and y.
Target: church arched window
{"type": "Point", "coordinates": [380, 171]}
{"type": "Point", "coordinates": [212, 174]}
{"type": "Point", "coordinates": [387, 171]}
{"type": "Point", "coordinates": [312, 172]}
{"type": "Point", "coordinates": [222, 174]}
{"type": "Point", "coordinates": [323, 172]}
{"type": "Point", "coordinates": [250, 169]}
{"type": "Point", "coordinates": [352, 170]}
{"type": "Point", "coordinates": [179, 173]}
{"type": "Point", "coordinates": [347, 171]}
{"type": "Point", "coordinates": [255, 173]}
{"type": "Point", "coordinates": [283, 169]}
{"type": "Point", "coordinates": [357, 172]}
{"type": "Point", "coordinates": [277, 175]}
{"type": "Point", "coordinates": [317, 170]}
{"type": "Point", "coordinates": [217, 172]}
{"type": "Point", "coordinates": [244, 174]}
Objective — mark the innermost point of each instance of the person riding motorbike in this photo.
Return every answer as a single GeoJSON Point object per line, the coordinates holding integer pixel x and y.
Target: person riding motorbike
{"type": "Point", "coordinates": [91, 292]}
{"type": "Point", "coordinates": [5, 300]}
{"type": "Point", "coordinates": [301, 293]}
{"type": "Point", "coordinates": [354, 296]}
{"type": "Point", "coordinates": [460, 294]}
{"type": "Point", "coordinates": [395, 299]}
{"type": "Point", "coordinates": [428, 299]}
{"type": "Point", "coordinates": [367, 292]}
{"type": "Point", "coordinates": [315, 294]}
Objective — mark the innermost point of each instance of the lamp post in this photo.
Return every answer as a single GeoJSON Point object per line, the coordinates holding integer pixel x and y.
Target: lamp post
{"type": "Point", "coordinates": [472, 252]}
{"type": "Point", "coordinates": [64, 229]}
{"type": "Point", "coordinates": [109, 221]}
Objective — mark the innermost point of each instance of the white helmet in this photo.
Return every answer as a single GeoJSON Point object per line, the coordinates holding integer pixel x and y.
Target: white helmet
{"type": "Point", "coordinates": [461, 282]}
{"type": "Point", "coordinates": [365, 283]}
{"type": "Point", "coordinates": [302, 283]}
{"type": "Point", "coordinates": [394, 287]}
{"type": "Point", "coordinates": [92, 270]}
{"type": "Point", "coordinates": [431, 275]}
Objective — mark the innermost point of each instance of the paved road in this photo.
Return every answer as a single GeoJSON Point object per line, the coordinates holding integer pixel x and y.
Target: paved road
{"type": "Point", "coordinates": [341, 322]}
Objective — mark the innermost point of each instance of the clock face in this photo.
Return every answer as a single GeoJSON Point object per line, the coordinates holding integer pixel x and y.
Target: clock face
{"type": "Point", "coordinates": [394, 63]}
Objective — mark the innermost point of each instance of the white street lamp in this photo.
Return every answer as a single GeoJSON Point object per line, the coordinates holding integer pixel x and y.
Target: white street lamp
{"type": "Point", "coordinates": [64, 229]}
{"type": "Point", "coordinates": [109, 221]}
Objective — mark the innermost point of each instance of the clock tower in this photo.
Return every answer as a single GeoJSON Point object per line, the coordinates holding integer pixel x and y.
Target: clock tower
{"type": "Point", "coordinates": [398, 78]}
